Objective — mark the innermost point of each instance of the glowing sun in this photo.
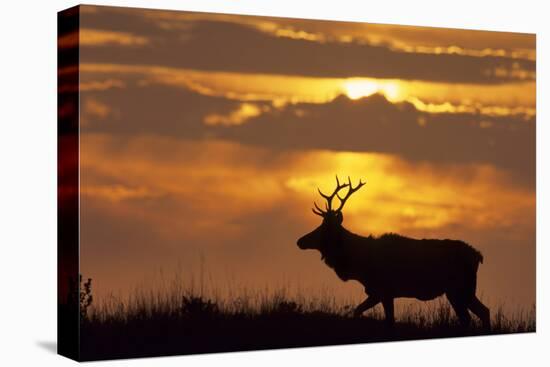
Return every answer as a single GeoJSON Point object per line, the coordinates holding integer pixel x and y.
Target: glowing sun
{"type": "Point", "coordinates": [359, 88]}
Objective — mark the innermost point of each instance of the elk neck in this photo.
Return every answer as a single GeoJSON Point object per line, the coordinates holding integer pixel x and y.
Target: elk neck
{"type": "Point", "coordinates": [348, 254]}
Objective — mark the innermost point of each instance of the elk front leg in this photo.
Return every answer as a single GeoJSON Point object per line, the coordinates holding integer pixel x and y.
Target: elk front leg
{"type": "Point", "coordinates": [370, 302]}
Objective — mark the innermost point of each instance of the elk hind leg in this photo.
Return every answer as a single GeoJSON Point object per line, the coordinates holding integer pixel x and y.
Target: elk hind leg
{"type": "Point", "coordinates": [481, 311]}
{"type": "Point", "coordinates": [370, 302]}
{"type": "Point", "coordinates": [461, 309]}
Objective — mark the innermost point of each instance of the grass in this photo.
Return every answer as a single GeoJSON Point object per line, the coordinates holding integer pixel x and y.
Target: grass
{"type": "Point", "coordinates": [185, 320]}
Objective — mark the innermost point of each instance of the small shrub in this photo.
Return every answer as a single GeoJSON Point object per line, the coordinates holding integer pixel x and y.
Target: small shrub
{"type": "Point", "coordinates": [86, 297]}
{"type": "Point", "coordinates": [80, 296]}
{"type": "Point", "coordinates": [198, 307]}
{"type": "Point", "coordinates": [287, 308]}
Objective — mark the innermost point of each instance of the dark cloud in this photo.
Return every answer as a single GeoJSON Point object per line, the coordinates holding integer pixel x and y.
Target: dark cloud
{"type": "Point", "coordinates": [371, 124]}
{"type": "Point", "coordinates": [227, 46]}
{"type": "Point", "coordinates": [154, 110]}
{"type": "Point", "coordinates": [374, 124]}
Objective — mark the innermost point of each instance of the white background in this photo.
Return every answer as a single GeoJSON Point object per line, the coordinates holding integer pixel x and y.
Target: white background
{"type": "Point", "coordinates": [28, 182]}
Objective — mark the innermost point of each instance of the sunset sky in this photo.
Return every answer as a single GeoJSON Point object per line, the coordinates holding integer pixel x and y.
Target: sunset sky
{"type": "Point", "coordinates": [204, 138]}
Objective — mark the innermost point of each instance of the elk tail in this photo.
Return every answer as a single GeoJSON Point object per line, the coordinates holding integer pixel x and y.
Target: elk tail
{"type": "Point", "coordinates": [479, 257]}
{"type": "Point", "coordinates": [475, 256]}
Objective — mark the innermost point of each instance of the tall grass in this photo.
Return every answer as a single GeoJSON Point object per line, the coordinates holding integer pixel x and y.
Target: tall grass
{"type": "Point", "coordinates": [177, 296]}
{"type": "Point", "coordinates": [181, 317]}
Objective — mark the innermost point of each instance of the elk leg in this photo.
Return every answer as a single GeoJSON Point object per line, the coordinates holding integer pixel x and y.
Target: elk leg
{"type": "Point", "coordinates": [461, 309]}
{"type": "Point", "coordinates": [388, 310]}
{"type": "Point", "coordinates": [481, 311]}
{"type": "Point", "coordinates": [370, 302]}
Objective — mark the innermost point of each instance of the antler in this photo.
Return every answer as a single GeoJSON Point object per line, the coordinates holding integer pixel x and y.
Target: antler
{"type": "Point", "coordinates": [350, 192]}
{"type": "Point", "coordinates": [329, 198]}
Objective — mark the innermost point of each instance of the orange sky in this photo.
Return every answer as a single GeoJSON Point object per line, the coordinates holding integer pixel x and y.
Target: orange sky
{"type": "Point", "coordinates": [204, 138]}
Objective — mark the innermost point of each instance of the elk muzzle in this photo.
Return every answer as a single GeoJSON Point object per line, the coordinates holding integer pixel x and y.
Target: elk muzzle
{"type": "Point", "coordinates": [311, 240]}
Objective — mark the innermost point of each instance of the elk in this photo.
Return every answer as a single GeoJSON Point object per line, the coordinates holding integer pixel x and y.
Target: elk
{"type": "Point", "coordinates": [392, 266]}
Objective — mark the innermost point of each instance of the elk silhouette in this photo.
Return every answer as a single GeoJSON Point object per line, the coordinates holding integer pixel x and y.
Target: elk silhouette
{"type": "Point", "coordinates": [392, 266]}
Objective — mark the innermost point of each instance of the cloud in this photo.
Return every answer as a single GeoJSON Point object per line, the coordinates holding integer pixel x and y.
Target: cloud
{"type": "Point", "coordinates": [493, 100]}
{"type": "Point", "coordinates": [153, 109]}
{"type": "Point", "coordinates": [228, 46]}
{"type": "Point", "coordinates": [100, 85]}
{"type": "Point", "coordinates": [98, 37]}
{"type": "Point", "coordinates": [396, 37]}
{"type": "Point", "coordinates": [93, 107]}
{"type": "Point", "coordinates": [373, 124]}
{"type": "Point", "coordinates": [239, 116]}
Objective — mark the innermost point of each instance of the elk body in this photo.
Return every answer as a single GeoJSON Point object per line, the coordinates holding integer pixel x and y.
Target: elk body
{"type": "Point", "coordinates": [392, 266]}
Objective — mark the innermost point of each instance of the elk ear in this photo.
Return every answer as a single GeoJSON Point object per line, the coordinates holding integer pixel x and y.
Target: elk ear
{"type": "Point", "coordinates": [339, 217]}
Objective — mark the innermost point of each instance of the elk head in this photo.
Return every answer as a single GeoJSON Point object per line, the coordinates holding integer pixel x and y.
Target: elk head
{"type": "Point", "coordinates": [330, 229]}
